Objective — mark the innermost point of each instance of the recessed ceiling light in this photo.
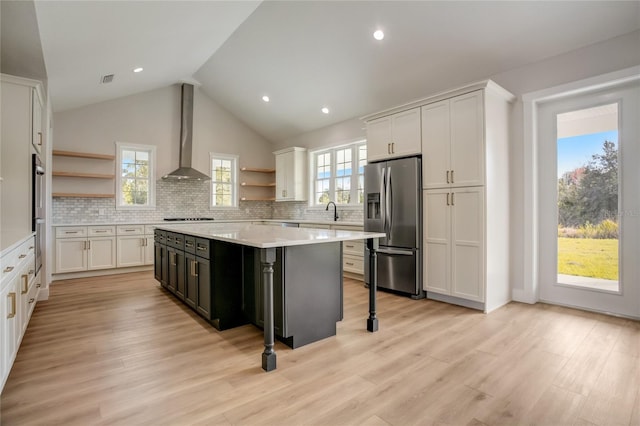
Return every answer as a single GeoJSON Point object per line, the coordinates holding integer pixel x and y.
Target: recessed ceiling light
{"type": "Point", "coordinates": [265, 98]}
{"type": "Point", "coordinates": [325, 110]}
{"type": "Point", "coordinates": [139, 69]}
{"type": "Point", "coordinates": [378, 35]}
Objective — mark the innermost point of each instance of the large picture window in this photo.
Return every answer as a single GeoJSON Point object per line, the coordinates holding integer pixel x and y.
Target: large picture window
{"type": "Point", "coordinates": [135, 180]}
{"type": "Point", "coordinates": [338, 174]}
{"type": "Point", "coordinates": [224, 181]}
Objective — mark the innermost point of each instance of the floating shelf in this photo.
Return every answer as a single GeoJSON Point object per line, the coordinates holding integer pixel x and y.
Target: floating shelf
{"type": "Point", "coordinates": [262, 185]}
{"type": "Point", "coordinates": [84, 175]}
{"type": "Point", "coordinates": [83, 155]}
{"type": "Point", "coordinates": [75, 194]}
{"type": "Point", "coordinates": [257, 199]}
{"type": "Point", "coordinates": [257, 170]}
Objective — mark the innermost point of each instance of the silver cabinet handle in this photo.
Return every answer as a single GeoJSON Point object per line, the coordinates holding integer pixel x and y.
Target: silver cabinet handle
{"type": "Point", "coordinates": [448, 176]}
{"type": "Point", "coordinates": [70, 232]}
{"type": "Point", "coordinates": [452, 180]}
{"type": "Point", "coordinates": [22, 256]}
{"type": "Point", "coordinates": [453, 202]}
{"type": "Point", "coordinates": [88, 244]}
{"type": "Point", "coordinates": [100, 231]}
{"type": "Point", "coordinates": [448, 199]}
{"type": "Point", "coordinates": [8, 269]}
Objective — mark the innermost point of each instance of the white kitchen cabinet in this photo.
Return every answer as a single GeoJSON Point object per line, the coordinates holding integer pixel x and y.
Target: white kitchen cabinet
{"type": "Point", "coordinates": [149, 249]}
{"type": "Point", "coordinates": [352, 254]}
{"type": "Point", "coordinates": [18, 296]}
{"type": "Point", "coordinates": [465, 148]}
{"type": "Point", "coordinates": [395, 135]}
{"type": "Point", "coordinates": [17, 126]}
{"type": "Point", "coordinates": [81, 248]}
{"type": "Point", "coordinates": [37, 131]}
{"type": "Point", "coordinates": [453, 142]}
{"type": "Point", "coordinates": [291, 174]}
{"type": "Point", "coordinates": [454, 242]}
{"type": "Point", "coordinates": [131, 245]}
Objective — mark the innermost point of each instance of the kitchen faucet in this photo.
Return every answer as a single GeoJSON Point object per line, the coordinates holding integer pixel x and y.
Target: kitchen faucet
{"type": "Point", "coordinates": [335, 210]}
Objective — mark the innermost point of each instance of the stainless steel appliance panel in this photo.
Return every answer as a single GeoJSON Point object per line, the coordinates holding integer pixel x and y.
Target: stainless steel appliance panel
{"type": "Point", "coordinates": [403, 209]}
{"type": "Point", "coordinates": [375, 186]}
{"type": "Point", "coordinates": [397, 270]}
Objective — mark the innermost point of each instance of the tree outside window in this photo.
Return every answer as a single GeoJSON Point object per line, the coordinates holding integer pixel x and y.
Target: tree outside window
{"type": "Point", "coordinates": [223, 180]}
{"type": "Point", "coordinates": [135, 182]}
{"type": "Point", "coordinates": [335, 177]}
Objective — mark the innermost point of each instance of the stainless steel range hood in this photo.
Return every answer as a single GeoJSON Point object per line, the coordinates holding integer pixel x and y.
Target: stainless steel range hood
{"type": "Point", "coordinates": [185, 171]}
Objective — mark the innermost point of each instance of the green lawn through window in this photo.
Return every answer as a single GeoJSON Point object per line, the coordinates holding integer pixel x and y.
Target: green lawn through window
{"type": "Point", "coordinates": [587, 257]}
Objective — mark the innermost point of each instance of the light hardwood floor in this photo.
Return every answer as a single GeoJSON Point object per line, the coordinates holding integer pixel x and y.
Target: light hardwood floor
{"type": "Point", "coordinates": [120, 350]}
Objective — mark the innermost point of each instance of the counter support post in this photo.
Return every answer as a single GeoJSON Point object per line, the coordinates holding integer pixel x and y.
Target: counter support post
{"type": "Point", "coordinates": [372, 246]}
{"type": "Point", "coordinates": [268, 257]}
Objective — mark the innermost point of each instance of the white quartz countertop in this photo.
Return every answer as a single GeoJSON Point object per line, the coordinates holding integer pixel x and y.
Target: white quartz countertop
{"type": "Point", "coordinates": [265, 236]}
{"type": "Point", "coordinates": [161, 222]}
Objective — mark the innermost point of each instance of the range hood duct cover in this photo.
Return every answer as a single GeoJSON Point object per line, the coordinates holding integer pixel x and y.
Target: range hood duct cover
{"type": "Point", "coordinates": [185, 171]}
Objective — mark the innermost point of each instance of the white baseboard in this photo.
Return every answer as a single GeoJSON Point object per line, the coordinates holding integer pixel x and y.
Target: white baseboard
{"type": "Point", "coordinates": [520, 295]}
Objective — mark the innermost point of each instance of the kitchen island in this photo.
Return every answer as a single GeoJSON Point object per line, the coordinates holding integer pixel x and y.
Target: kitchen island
{"type": "Point", "coordinates": [226, 273]}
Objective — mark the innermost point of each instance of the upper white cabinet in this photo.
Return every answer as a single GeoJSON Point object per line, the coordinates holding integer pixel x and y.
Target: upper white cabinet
{"type": "Point", "coordinates": [291, 174]}
{"type": "Point", "coordinates": [37, 131]}
{"type": "Point", "coordinates": [453, 142]}
{"type": "Point", "coordinates": [395, 135]}
{"type": "Point", "coordinates": [20, 121]}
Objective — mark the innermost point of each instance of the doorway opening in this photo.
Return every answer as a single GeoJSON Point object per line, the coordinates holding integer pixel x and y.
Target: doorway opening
{"type": "Point", "coordinates": [588, 198]}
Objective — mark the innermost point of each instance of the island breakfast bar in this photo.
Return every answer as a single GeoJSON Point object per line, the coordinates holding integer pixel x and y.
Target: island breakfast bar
{"type": "Point", "coordinates": [314, 263]}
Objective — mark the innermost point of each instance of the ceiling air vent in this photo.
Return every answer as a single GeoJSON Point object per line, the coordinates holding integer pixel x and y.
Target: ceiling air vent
{"type": "Point", "coordinates": [107, 78]}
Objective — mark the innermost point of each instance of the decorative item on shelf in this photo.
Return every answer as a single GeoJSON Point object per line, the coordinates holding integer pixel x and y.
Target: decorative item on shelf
{"type": "Point", "coordinates": [258, 188]}
{"type": "Point", "coordinates": [83, 175]}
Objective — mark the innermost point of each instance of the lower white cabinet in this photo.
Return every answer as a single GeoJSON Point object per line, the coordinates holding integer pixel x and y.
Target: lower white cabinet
{"type": "Point", "coordinates": [85, 248]}
{"type": "Point", "coordinates": [454, 241]}
{"type": "Point", "coordinates": [19, 289]}
{"type": "Point", "coordinates": [135, 245]}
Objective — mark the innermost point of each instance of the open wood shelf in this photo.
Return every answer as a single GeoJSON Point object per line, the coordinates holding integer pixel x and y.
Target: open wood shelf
{"type": "Point", "coordinates": [75, 194]}
{"type": "Point", "coordinates": [263, 185]}
{"type": "Point", "coordinates": [257, 199]}
{"type": "Point", "coordinates": [257, 170]}
{"type": "Point", "coordinates": [83, 155]}
{"type": "Point", "coordinates": [84, 175]}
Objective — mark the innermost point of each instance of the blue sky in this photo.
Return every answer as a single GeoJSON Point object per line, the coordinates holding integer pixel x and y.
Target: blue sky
{"type": "Point", "coordinates": [576, 151]}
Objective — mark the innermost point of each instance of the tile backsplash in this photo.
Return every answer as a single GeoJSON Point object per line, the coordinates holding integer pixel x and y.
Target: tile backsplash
{"type": "Point", "coordinates": [187, 199]}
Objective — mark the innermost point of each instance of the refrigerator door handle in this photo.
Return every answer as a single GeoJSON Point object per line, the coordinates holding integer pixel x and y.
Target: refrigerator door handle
{"type": "Point", "coordinates": [395, 251]}
{"type": "Point", "coordinates": [387, 202]}
{"type": "Point", "coordinates": [383, 196]}
{"type": "Point", "coordinates": [390, 200]}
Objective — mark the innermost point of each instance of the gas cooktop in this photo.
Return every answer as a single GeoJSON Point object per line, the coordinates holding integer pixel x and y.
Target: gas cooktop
{"type": "Point", "coordinates": [182, 219]}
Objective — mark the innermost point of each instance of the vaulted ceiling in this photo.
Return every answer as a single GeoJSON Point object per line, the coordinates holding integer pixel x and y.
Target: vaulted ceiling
{"type": "Point", "coordinates": [306, 55]}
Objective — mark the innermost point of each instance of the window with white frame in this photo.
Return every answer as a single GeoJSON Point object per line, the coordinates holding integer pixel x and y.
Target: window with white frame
{"type": "Point", "coordinates": [338, 174]}
{"type": "Point", "coordinates": [135, 180]}
{"type": "Point", "coordinates": [224, 180]}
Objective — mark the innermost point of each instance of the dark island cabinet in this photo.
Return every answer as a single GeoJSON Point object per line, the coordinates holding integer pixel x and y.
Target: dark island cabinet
{"type": "Point", "coordinates": [161, 259]}
{"type": "Point", "coordinates": [206, 275]}
{"type": "Point", "coordinates": [307, 301]}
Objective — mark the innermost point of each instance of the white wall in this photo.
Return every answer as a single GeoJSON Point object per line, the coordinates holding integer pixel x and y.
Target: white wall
{"type": "Point", "coordinates": [153, 118]}
{"type": "Point", "coordinates": [611, 55]}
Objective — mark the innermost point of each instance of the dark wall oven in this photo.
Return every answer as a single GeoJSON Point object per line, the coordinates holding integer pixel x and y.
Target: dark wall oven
{"type": "Point", "coordinates": [37, 207]}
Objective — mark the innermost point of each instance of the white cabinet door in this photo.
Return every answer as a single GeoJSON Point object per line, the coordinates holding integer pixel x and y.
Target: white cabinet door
{"type": "Point", "coordinates": [453, 149]}
{"type": "Point", "coordinates": [71, 255]}
{"type": "Point", "coordinates": [467, 243]}
{"type": "Point", "coordinates": [454, 242]}
{"type": "Point", "coordinates": [10, 332]}
{"type": "Point", "coordinates": [396, 135]}
{"type": "Point", "coordinates": [437, 241]}
{"type": "Point", "coordinates": [378, 138]}
{"type": "Point", "coordinates": [406, 133]}
{"type": "Point", "coordinates": [291, 174]}
{"type": "Point", "coordinates": [36, 121]}
{"type": "Point", "coordinates": [467, 140]}
{"type": "Point", "coordinates": [101, 253]}
{"type": "Point", "coordinates": [149, 251]}
{"type": "Point", "coordinates": [436, 153]}
{"type": "Point", "coordinates": [131, 250]}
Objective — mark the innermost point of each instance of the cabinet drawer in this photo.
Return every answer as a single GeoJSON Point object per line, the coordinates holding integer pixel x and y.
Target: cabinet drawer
{"type": "Point", "coordinates": [101, 231]}
{"type": "Point", "coordinates": [353, 264]}
{"type": "Point", "coordinates": [203, 248]}
{"type": "Point", "coordinates": [190, 244]}
{"type": "Point", "coordinates": [71, 231]}
{"type": "Point", "coordinates": [175, 240]}
{"type": "Point", "coordinates": [130, 230]}
{"type": "Point", "coordinates": [355, 248]}
{"type": "Point", "coordinates": [160, 237]}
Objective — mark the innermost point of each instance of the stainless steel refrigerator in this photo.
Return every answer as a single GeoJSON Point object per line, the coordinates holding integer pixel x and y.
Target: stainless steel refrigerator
{"type": "Point", "coordinates": [393, 198]}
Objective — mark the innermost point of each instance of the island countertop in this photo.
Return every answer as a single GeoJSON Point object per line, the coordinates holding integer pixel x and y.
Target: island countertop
{"type": "Point", "coordinates": [264, 236]}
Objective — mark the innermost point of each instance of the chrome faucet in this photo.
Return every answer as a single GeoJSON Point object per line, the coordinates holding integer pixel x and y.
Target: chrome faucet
{"type": "Point", "coordinates": [335, 210]}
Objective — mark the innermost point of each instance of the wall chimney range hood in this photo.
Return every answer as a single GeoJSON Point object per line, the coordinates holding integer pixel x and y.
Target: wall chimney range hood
{"type": "Point", "coordinates": [185, 171]}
